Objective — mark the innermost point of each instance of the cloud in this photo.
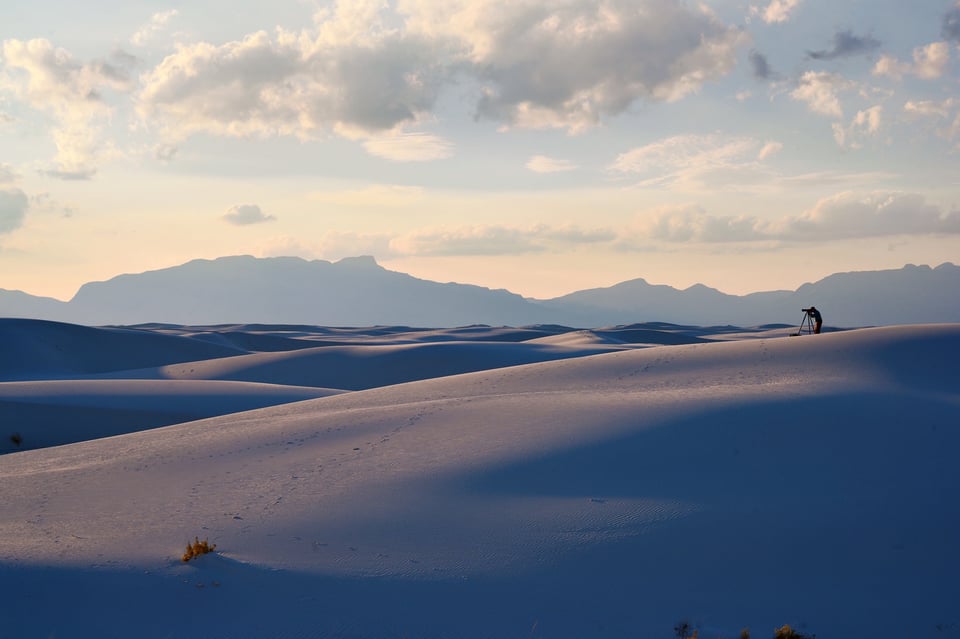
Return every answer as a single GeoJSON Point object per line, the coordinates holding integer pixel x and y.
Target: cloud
{"type": "Point", "coordinates": [848, 215]}
{"type": "Point", "coordinates": [865, 124]}
{"type": "Point", "coordinates": [335, 245]}
{"type": "Point", "coordinates": [690, 223]}
{"type": "Point", "coordinates": [698, 161]}
{"type": "Point", "coordinates": [568, 65]}
{"type": "Point", "coordinates": [760, 66]}
{"type": "Point", "coordinates": [775, 12]}
{"type": "Point", "coordinates": [7, 174]}
{"type": "Point", "coordinates": [303, 85]}
{"type": "Point", "coordinates": [495, 240]}
{"type": "Point", "coordinates": [929, 108]}
{"type": "Point", "coordinates": [367, 68]}
{"type": "Point", "coordinates": [13, 209]}
{"type": "Point", "coordinates": [769, 150]}
{"type": "Point", "coordinates": [818, 90]}
{"type": "Point", "coordinates": [52, 81]}
{"type": "Point", "coordinates": [945, 113]}
{"type": "Point", "coordinates": [477, 240]}
{"type": "Point", "coordinates": [843, 216]}
{"type": "Point", "coordinates": [165, 152]}
{"type": "Point", "coordinates": [951, 24]}
{"type": "Point", "coordinates": [846, 44]}
{"type": "Point", "coordinates": [544, 164]}
{"type": "Point", "coordinates": [157, 23]}
{"type": "Point", "coordinates": [246, 214]}
{"type": "Point", "coordinates": [80, 172]}
{"type": "Point", "coordinates": [929, 62]}
{"type": "Point", "coordinates": [409, 147]}
{"type": "Point", "coordinates": [331, 245]}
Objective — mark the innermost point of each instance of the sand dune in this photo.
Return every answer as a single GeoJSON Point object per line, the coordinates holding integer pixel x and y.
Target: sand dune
{"type": "Point", "coordinates": [51, 413]}
{"type": "Point", "coordinates": [243, 367]}
{"type": "Point", "coordinates": [36, 349]}
{"type": "Point", "coordinates": [363, 367]}
{"type": "Point", "coordinates": [743, 483]}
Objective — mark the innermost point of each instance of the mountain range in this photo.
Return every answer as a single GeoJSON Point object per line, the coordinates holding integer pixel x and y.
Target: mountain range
{"type": "Point", "coordinates": [358, 291]}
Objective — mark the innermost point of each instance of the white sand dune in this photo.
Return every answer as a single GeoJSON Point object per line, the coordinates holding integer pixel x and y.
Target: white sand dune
{"type": "Point", "coordinates": [809, 481]}
{"type": "Point", "coordinates": [50, 413]}
{"type": "Point", "coordinates": [37, 349]}
{"type": "Point", "coordinates": [367, 366]}
{"type": "Point", "coordinates": [80, 387]}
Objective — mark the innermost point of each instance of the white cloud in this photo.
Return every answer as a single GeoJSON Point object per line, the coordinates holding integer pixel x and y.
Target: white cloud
{"type": "Point", "coordinates": [891, 67]}
{"type": "Point", "coordinates": [929, 108]}
{"type": "Point", "coordinates": [843, 216]}
{"type": "Point", "coordinates": [409, 147]}
{"type": "Point", "coordinates": [13, 209]}
{"type": "Point", "coordinates": [698, 161]}
{"type": "Point", "coordinates": [495, 240]}
{"type": "Point", "coordinates": [568, 64]}
{"type": "Point", "coordinates": [476, 240]}
{"type": "Point", "coordinates": [865, 124]}
{"type": "Point", "coordinates": [7, 174]}
{"type": "Point", "coordinates": [51, 80]}
{"type": "Point", "coordinates": [157, 23]}
{"type": "Point", "coordinates": [850, 215]}
{"type": "Point", "coordinates": [286, 246]}
{"type": "Point", "coordinates": [945, 114]}
{"type": "Point", "coordinates": [331, 245]}
{"type": "Point", "coordinates": [293, 84]}
{"type": "Point", "coordinates": [769, 150]}
{"type": "Point", "coordinates": [165, 152]}
{"type": "Point", "coordinates": [775, 12]}
{"type": "Point", "coordinates": [366, 68]}
{"type": "Point", "coordinates": [818, 90]}
{"type": "Point", "coordinates": [689, 223]}
{"type": "Point", "coordinates": [929, 62]}
{"type": "Point", "coordinates": [544, 164]}
{"type": "Point", "coordinates": [335, 245]}
{"type": "Point", "coordinates": [246, 214]}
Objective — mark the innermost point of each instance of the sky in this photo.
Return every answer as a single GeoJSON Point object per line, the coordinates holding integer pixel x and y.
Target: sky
{"type": "Point", "coordinates": [541, 147]}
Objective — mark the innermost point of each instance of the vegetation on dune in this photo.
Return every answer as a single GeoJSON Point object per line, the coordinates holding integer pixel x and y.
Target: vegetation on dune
{"type": "Point", "coordinates": [684, 630]}
{"type": "Point", "coordinates": [197, 548]}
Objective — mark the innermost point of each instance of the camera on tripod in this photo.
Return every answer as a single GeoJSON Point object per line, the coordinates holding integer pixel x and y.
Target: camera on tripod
{"type": "Point", "coordinates": [812, 321]}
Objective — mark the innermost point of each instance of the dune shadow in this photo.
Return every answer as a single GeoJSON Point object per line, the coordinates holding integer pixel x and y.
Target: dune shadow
{"type": "Point", "coordinates": [851, 445]}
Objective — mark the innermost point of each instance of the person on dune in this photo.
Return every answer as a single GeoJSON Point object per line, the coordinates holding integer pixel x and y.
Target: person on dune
{"type": "Point", "coordinates": [817, 318]}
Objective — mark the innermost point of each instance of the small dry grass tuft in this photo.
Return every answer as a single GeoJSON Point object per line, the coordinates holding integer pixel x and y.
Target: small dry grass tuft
{"type": "Point", "coordinates": [198, 548]}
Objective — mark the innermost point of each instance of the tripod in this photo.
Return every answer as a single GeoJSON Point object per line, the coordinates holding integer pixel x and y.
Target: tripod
{"type": "Point", "coordinates": [806, 324]}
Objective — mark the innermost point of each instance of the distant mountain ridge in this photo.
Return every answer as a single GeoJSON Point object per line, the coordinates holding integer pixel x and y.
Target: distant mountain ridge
{"type": "Point", "coordinates": [359, 292]}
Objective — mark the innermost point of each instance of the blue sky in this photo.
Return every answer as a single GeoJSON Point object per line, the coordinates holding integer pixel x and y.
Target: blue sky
{"type": "Point", "coordinates": [542, 147]}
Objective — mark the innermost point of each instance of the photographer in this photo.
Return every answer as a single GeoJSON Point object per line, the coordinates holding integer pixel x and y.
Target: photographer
{"type": "Point", "coordinates": [817, 318]}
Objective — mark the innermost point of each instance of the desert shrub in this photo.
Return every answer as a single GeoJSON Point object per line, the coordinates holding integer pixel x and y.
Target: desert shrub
{"type": "Point", "coordinates": [786, 632]}
{"type": "Point", "coordinates": [198, 548]}
{"type": "Point", "coordinates": [16, 439]}
{"type": "Point", "coordinates": [683, 630]}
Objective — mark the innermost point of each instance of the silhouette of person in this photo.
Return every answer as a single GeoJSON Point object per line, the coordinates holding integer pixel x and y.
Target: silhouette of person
{"type": "Point", "coordinates": [817, 318]}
